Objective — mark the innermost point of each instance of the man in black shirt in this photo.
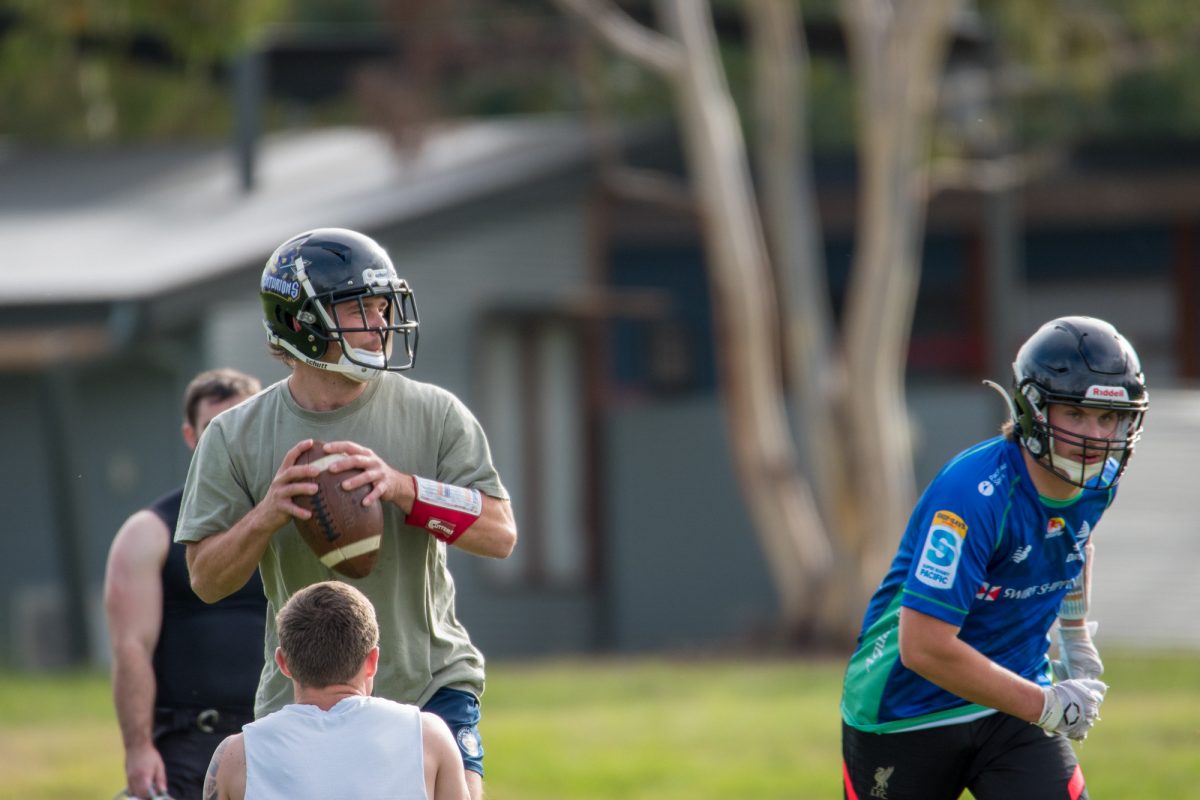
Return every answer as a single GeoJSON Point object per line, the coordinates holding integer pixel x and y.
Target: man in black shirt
{"type": "Point", "coordinates": [184, 672]}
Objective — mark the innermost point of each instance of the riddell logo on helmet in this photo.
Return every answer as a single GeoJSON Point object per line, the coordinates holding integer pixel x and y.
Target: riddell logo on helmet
{"type": "Point", "coordinates": [1107, 393]}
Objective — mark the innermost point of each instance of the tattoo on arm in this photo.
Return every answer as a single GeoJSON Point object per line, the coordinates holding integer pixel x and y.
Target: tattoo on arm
{"type": "Point", "coordinates": [210, 778]}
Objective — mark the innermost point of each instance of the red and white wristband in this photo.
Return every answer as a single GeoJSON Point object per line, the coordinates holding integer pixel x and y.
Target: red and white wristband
{"type": "Point", "coordinates": [446, 511]}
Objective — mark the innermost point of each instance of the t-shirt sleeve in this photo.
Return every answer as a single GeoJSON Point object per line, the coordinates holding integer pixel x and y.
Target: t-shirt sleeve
{"type": "Point", "coordinates": [464, 458]}
{"type": "Point", "coordinates": [213, 498]}
{"type": "Point", "coordinates": [955, 538]}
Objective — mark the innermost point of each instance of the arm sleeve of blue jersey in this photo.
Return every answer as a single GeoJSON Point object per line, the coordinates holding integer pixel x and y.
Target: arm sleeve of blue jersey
{"type": "Point", "coordinates": [954, 540]}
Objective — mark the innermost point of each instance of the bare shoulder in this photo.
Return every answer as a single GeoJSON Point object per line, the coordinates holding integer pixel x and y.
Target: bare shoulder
{"type": "Point", "coordinates": [226, 777]}
{"type": "Point", "coordinates": [234, 751]}
{"type": "Point", "coordinates": [444, 774]}
{"type": "Point", "coordinates": [433, 725]}
{"type": "Point", "coordinates": [436, 735]}
{"type": "Point", "coordinates": [143, 532]}
{"type": "Point", "coordinates": [138, 551]}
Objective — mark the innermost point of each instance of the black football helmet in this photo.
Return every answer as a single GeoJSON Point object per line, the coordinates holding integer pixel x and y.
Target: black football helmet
{"type": "Point", "coordinates": [309, 274]}
{"type": "Point", "coordinates": [1083, 362]}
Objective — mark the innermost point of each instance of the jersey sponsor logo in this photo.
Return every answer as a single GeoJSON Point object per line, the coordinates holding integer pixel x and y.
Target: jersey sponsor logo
{"type": "Point", "coordinates": [1035, 591]}
{"type": "Point", "coordinates": [1076, 556]}
{"type": "Point", "coordinates": [943, 546]}
{"type": "Point", "coordinates": [1097, 392]}
{"type": "Point", "coordinates": [1055, 527]}
{"type": "Point", "coordinates": [988, 592]}
{"type": "Point", "coordinates": [1085, 531]}
{"type": "Point", "coordinates": [986, 488]}
{"type": "Point", "coordinates": [877, 648]}
{"type": "Point", "coordinates": [1021, 553]}
{"type": "Point", "coordinates": [999, 475]}
{"type": "Point", "coordinates": [951, 520]}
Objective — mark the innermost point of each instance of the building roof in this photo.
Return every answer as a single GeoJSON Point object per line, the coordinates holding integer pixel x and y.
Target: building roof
{"type": "Point", "coordinates": [88, 227]}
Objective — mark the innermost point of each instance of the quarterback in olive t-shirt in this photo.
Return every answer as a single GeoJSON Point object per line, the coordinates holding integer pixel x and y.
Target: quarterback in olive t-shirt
{"type": "Point", "coordinates": [346, 325]}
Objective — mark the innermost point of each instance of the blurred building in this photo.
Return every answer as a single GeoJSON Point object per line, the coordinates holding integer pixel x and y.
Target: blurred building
{"type": "Point", "coordinates": [577, 326]}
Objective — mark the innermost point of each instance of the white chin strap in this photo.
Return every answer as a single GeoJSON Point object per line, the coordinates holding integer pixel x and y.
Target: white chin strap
{"type": "Point", "coordinates": [358, 372]}
{"type": "Point", "coordinates": [343, 366]}
{"type": "Point", "coordinates": [1076, 471]}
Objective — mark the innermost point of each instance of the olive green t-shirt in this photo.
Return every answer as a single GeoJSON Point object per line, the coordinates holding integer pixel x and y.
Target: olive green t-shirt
{"type": "Point", "coordinates": [415, 427]}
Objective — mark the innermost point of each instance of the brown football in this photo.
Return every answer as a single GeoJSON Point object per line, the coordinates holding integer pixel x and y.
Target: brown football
{"type": "Point", "coordinates": [342, 532]}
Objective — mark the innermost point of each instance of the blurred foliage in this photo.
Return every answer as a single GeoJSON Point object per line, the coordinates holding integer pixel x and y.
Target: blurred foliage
{"type": "Point", "coordinates": [334, 11]}
{"type": "Point", "coordinates": [112, 71]}
{"type": "Point", "coordinates": [1101, 69]}
{"type": "Point", "coordinates": [102, 71]}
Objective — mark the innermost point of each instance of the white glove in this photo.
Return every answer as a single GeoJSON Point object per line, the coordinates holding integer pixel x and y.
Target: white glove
{"type": "Point", "coordinates": [1077, 653]}
{"type": "Point", "coordinates": [1072, 707]}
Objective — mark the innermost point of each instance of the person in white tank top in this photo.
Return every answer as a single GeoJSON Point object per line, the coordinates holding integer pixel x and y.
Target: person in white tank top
{"type": "Point", "coordinates": [336, 741]}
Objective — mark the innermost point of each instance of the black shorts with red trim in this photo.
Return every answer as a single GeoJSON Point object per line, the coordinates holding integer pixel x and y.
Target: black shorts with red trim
{"type": "Point", "coordinates": [997, 757]}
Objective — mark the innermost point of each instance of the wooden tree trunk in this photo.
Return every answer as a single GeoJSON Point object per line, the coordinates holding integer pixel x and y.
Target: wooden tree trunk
{"type": "Point", "coordinates": [857, 428]}
{"type": "Point", "coordinates": [897, 51]}
{"type": "Point", "coordinates": [793, 229]}
{"type": "Point", "coordinates": [785, 516]}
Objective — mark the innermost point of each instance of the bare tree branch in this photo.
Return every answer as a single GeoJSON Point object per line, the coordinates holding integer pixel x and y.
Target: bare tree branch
{"type": "Point", "coordinates": [626, 35]}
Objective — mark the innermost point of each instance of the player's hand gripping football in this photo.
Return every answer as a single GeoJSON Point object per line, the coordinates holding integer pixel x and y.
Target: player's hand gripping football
{"type": "Point", "coordinates": [1078, 656]}
{"type": "Point", "coordinates": [1072, 707]}
{"type": "Point", "coordinates": [279, 505]}
{"type": "Point", "coordinates": [387, 483]}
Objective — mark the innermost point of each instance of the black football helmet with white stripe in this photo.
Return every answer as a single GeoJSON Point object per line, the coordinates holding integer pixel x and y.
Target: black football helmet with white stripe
{"type": "Point", "coordinates": [1083, 362]}
{"type": "Point", "coordinates": [309, 274]}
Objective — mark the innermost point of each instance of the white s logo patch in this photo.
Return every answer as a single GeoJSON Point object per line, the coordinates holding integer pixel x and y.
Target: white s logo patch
{"type": "Point", "coordinates": [941, 551]}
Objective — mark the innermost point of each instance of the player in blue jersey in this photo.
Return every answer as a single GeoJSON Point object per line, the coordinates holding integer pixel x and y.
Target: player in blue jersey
{"type": "Point", "coordinates": [950, 687]}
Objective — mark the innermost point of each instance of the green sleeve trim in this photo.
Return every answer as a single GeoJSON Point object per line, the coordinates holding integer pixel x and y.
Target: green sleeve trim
{"type": "Point", "coordinates": [936, 602]}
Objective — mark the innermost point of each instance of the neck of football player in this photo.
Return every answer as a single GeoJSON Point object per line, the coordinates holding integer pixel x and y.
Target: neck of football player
{"type": "Point", "coordinates": [326, 697]}
{"type": "Point", "coordinates": [321, 390]}
{"type": "Point", "coordinates": [1047, 482]}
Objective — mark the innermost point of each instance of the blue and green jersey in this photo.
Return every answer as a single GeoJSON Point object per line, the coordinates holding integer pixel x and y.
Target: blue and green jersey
{"type": "Point", "coordinates": [982, 551]}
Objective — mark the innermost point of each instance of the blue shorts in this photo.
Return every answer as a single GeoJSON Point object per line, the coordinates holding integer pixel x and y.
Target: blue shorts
{"type": "Point", "coordinates": [460, 710]}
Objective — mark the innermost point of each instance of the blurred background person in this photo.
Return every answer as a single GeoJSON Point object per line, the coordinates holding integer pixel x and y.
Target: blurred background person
{"type": "Point", "coordinates": [184, 672]}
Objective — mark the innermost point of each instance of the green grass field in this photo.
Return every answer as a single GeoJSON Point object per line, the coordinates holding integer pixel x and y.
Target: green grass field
{"type": "Point", "coordinates": [645, 728]}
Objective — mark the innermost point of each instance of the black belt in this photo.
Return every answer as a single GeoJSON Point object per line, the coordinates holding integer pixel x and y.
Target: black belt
{"type": "Point", "coordinates": [207, 720]}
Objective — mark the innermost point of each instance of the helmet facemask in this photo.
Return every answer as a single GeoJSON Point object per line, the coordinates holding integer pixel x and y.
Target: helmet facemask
{"type": "Point", "coordinates": [319, 317]}
{"type": "Point", "coordinates": [1078, 363]}
{"type": "Point", "coordinates": [310, 275]}
{"type": "Point", "coordinates": [1092, 462]}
